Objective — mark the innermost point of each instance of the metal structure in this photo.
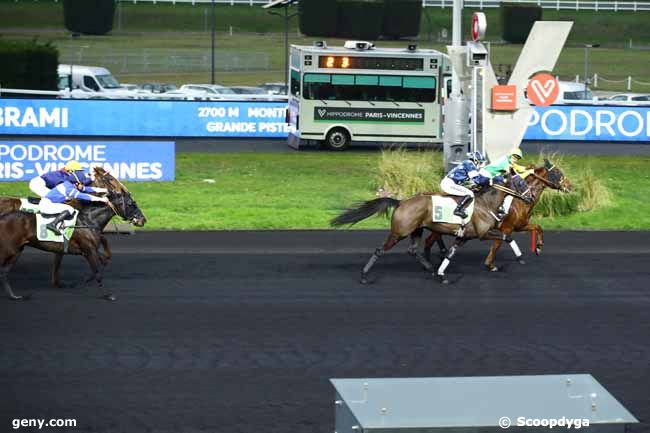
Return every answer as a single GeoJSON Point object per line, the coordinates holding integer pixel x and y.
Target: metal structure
{"type": "Point", "coordinates": [285, 5]}
{"type": "Point", "coordinates": [494, 132]}
{"type": "Point", "coordinates": [477, 405]}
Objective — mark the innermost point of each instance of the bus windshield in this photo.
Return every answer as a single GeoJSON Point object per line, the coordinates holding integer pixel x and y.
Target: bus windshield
{"type": "Point", "coordinates": [374, 88]}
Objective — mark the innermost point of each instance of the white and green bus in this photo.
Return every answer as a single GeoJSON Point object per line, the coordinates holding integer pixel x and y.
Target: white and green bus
{"type": "Point", "coordinates": [359, 93]}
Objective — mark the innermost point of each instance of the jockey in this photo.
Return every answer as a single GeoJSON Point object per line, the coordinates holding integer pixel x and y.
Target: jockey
{"type": "Point", "coordinates": [508, 163]}
{"type": "Point", "coordinates": [72, 172]}
{"type": "Point", "coordinates": [54, 201]}
{"type": "Point", "coordinates": [467, 172]}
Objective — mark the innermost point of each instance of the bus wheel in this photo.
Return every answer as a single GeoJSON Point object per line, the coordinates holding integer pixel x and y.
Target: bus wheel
{"type": "Point", "coordinates": [337, 139]}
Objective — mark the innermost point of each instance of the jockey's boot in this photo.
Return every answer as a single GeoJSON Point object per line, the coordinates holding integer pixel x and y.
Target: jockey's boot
{"type": "Point", "coordinates": [56, 222]}
{"type": "Point", "coordinates": [460, 209]}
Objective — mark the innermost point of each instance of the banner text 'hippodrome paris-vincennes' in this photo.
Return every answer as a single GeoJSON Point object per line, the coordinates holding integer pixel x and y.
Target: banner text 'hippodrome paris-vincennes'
{"type": "Point", "coordinates": [127, 160]}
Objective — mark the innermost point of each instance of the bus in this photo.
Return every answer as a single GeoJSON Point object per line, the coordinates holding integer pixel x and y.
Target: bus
{"type": "Point", "coordinates": [361, 93]}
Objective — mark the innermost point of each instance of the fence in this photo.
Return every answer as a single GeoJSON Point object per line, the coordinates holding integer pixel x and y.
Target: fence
{"type": "Point", "coordinates": [590, 5]}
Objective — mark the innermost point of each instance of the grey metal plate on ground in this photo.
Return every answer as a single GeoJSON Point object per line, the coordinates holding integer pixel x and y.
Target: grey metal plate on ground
{"type": "Point", "coordinates": [473, 404]}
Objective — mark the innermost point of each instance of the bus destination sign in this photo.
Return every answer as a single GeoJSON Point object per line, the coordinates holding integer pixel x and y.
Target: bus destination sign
{"type": "Point", "coordinates": [383, 63]}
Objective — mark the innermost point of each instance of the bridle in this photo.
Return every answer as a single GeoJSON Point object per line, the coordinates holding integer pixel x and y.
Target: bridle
{"type": "Point", "coordinates": [559, 186]}
{"type": "Point", "coordinates": [110, 203]}
{"type": "Point", "coordinates": [510, 191]}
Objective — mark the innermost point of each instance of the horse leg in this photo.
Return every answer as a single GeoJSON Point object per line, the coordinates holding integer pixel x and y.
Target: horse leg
{"type": "Point", "coordinates": [55, 278]}
{"type": "Point", "coordinates": [108, 254]}
{"type": "Point", "coordinates": [4, 276]}
{"type": "Point", "coordinates": [414, 249]}
{"type": "Point", "coordinates": [92, 257]}
{"type": "Point", "coordinates": [540, 236]}
{"type": "Point", "coordinates": [501, 237]}
{"type": "Point", "coordinates": [390, 242]}
{"type": "Point", "coordinates": [437, 238]}
{"type": "Point", "coordinates": [440, 273]}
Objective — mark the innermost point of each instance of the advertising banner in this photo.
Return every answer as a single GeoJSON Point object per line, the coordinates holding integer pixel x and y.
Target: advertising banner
{"type": "Point", "coordinates": [143, 118]}
{"type": "Point", "coordinates": [590, 123]}
{"type": "Point", "coordinates": [133, 160]}
{"type": "Point", "coordinates": [258, 119]}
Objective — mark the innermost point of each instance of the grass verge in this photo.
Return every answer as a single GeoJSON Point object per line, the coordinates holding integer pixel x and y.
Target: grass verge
{"type": "Point", "coordinates": [305, 190]}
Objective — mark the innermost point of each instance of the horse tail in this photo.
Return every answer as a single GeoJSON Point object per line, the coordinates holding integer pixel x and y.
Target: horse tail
{"type": "Point", "coordinates": [365, 210]}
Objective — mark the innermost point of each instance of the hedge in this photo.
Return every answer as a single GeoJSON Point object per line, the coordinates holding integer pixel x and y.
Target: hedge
{"type": "Point", "coordinates": [401, 18]}
{"type": "Point", "coordinates": [93, 17]}
{"type": "Point", "coordinates": [28, 65]}
{"type": "Point", "coordinates": [360, 19]}
{"type": "Point", "coordinates": [318, 17]}
{"type": "Point", "coordinates": [517, 20]}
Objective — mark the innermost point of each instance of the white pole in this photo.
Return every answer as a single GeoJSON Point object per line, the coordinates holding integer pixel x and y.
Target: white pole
{"type": "Point", "coordinates": [457, 15]}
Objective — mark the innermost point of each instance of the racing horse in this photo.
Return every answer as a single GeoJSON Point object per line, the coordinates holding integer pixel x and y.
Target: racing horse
{"type": "Point", "coordinates": [518, 217]}
{"type": "Point", "coordinates": [18, 229]}
{"type": "Point", "coordinates": [415, 213]}
{"type": "Point", "coordinates": [13, 204]}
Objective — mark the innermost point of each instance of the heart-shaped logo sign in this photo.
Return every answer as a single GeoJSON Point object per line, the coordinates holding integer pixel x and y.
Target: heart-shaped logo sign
{"type": "Point", "coordinates": [322, 112]}
{"type": "Point", "coordinates": [543, 89]}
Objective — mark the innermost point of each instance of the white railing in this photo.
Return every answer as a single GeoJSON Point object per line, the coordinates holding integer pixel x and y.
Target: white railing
{"type": "Point", "coordinates": [577, 5]}
{"type": "Point", "coordinates": [591, 5]}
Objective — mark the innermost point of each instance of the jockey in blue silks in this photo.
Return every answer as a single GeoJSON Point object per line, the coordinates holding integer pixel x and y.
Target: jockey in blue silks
{"type": "Point", "coordinates": [463, 176]}
{"type": "Point", "coordinates": [72, 172]}
{"type": "Point", "coordinates": [54, 201]}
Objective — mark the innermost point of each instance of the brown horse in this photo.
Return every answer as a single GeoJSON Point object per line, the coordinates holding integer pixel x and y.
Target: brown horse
{"type": "Point", "coordinates": [18, 229]}
{"type": "Point", "coordinates": [13, 204]}
{"type": "Point", "coordinates": [518, 217]}
{"type": "Point", "coordinates": [414, 214]}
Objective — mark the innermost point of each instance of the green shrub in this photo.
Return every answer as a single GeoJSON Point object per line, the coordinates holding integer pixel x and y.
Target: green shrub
{"type": "Point", "coordinates": [28, 65]}
{"type": "Point", "coordinates": [588, 192]}
{"type": "Point", "coordinates": [318, 17]}
{"type": "Point", "coordinates": [401, 18]}
{"type": "Point", "coordinates": [403, 173]}
{"type": "Point", "coordinates": [517, 20]}
{"type": "Point", "coordinates": [93, 17]}
{"type": "Point", "coordinates": [360, 19]}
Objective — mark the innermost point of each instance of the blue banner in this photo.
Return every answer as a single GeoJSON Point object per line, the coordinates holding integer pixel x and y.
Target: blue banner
{"type": "Point", "coordinates": [143, 118]}
{"type": "Point", "coordinates": [267, 120]}
{"type": "Point", "coordinates": [133, 160]}
{"type": "Point", "coordinates": [590, 123]}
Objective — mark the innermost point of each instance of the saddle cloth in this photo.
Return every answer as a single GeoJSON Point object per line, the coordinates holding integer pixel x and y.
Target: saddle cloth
{"type": "Point", "coordinates": [442, 210]}
{"type": "Point", "coordinates": [42, 232]}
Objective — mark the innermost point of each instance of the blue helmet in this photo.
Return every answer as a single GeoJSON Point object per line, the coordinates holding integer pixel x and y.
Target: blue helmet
{"type": "Point", "coordinates": [477, 157]}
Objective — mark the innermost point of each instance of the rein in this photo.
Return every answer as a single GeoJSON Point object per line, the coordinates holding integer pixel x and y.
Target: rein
{"type": "Point", "coordinates": [509, 191]}
{"type": "Point", "coordinates": [546, 181]}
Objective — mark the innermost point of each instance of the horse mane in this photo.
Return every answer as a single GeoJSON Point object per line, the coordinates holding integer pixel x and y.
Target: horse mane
{"type": "Point", "coordinates": [109, 181]}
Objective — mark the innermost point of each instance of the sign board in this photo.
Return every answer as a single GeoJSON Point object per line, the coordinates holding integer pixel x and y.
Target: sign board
{"type": "Point", "coordinates": [590, 123]}
{"type": "Point", "coordinates": [543, 89]}
{"type": "Point", "coordinates": [479, 26]}
{"type": "Point", "coordinates": [401, 115]}
{"type": "Point", "coordinates": [143, 118]}
{"type": "Point", "coordinates": [126, 160]}
{"type": "Point", "coordinates": [504, 98]}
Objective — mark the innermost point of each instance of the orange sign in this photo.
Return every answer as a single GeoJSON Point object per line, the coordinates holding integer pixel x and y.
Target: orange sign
{"type": "Point", "coordinates": [543, 89]}
{"type": "Point", "coordinates": [504, 98]}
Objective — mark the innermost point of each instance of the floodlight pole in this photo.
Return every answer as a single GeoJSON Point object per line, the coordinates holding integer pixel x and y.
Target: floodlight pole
{"type": "Point", "coordinates": [213, 19]}
{"type": "Point", "coordinates": [286, 44]}
{"type": "Point", "coordinates": [587, 46]}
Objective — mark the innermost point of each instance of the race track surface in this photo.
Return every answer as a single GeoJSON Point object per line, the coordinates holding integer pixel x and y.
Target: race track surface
{"type": "Point", "coordinates": [240, 331]}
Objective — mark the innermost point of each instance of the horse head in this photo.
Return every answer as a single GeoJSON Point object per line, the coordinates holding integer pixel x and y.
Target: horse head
{"type": "Point", "coordinates": [556, 178]}
{"type": "Point", "coordinates": [120, 199]}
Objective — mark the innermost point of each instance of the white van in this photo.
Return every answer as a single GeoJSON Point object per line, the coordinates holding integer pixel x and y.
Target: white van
{"type": "Point", "coordinates": [574, 93]}
{"type": "Point", "coordinates": [91, 82]}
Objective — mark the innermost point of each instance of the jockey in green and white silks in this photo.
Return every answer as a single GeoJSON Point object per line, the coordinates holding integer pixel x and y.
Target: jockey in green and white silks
{"type": "Point", "coordinates": [508, 163]}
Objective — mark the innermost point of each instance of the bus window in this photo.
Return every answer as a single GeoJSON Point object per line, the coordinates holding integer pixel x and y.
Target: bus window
{"type": "Point", "coordinates": [295, 82]}
{"type": "Point", "coordinates": [387, 88]}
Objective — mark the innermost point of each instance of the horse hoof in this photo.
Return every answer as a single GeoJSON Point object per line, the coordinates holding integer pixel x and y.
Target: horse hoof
{"type": "Point", "coordinates": [109, 297]}
{"type": "Point", "coordinates": [442, 279]}
{"type": "Point", "coordinates": [538, 251]}
{"type": "Point", "coordinates": [364, 280]}
{"type": "Point", "coordinates": [16, 298]}
{"type": "Point", "coordinates": [492, 268]}
{"type": "Point", "coordinates": [521, 261]}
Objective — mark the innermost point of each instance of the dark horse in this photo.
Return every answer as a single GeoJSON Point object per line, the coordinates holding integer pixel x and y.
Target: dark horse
{"type": "Point", "coordinates": [518, 217]}
{"type": "Point", "coordinates": [413, 214]}
{"type": "Point", "coordinates": [18, 229]}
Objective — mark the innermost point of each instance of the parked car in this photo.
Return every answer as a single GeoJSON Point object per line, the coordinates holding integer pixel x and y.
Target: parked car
{"type": "Point", "coordinates": [274, 88]}
{"type": "Point", "coordinates": [629, 99]}
{"type": "Point", "coordinates": [130, 87]}
{"type": "Point", "coordinates": [251, 93]}
{"type": "Point", "coordinates": [158, 87]}
{"type": "Point", "coordinates": [209, 90]}
{"type": "Point", "coordinates": [91, 82]}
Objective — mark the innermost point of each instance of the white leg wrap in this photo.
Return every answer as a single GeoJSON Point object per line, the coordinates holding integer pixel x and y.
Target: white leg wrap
{"type": "Point", "coordinates": [443, 266]}
{"type": "Point", "coordinates": [515, 248]}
